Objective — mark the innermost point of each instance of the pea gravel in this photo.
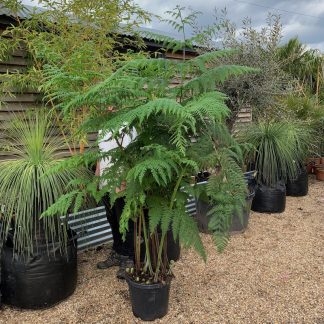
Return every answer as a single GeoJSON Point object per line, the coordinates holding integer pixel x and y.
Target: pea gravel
{"type": "Point", "coordinates": [272, 273]}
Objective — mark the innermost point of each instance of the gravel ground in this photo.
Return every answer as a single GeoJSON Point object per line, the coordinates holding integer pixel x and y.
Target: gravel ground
{"type": "Point", "coordinates": [273, 273]}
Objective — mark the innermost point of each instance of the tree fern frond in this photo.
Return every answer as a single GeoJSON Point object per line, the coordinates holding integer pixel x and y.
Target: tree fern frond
{"type": "Point", "coordinates": [210, 58]}
{"type": "Point", "coordinates": [209, 105]}
{"type": "Point", "coordinates": [185, 228]}
{"type": "Point", "coordinates": [166, 219]}
{"type": "Point", "coordinates": [221, 240]}
{"type": "Point", "coordinates": [160, 170]}
{"type": "Point", "coordinates": [208, 80]}
{"type": "Point", "coordinates": [155, 212]}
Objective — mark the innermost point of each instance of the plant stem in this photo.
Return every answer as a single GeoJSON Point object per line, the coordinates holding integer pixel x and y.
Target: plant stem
{"type": "Point", "coordinates": [175, 190]}
{"type": "Point", "coordinates": [138, 244]}
{"type": "Point", "coordinates": [137, 260]}
{"type": "Point", "coordinates": [147, 247]}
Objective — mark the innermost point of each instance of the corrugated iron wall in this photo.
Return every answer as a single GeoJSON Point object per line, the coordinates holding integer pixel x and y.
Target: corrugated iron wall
{"type": "Point", "coordinates": [93, 228]}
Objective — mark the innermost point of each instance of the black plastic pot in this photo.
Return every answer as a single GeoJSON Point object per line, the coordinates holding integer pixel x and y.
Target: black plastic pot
{"type": "Point", "coordinates": [173, 247]}
{"type": "Point", "coordinates": [149, 302]}
{"type": "Point", "coordinates": [249, 178]}
{"type": "Point", "coordinates": [270, 199]}
{"type": "Point", "coordinates": [203, 207]}
{"type": "Point", "coordinates": [239, 224]}
{"type": "Point", "coordinates": [299, 186]}
{"type": "Point", "coordinates": [41, 280]}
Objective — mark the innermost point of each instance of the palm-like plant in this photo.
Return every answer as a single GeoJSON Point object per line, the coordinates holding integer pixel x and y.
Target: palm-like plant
{"type": "Point", "coordinates": [26, 186]}
{"type": "Point", "coordinates": [303, 64]}
{"type": "Point", "coordinates": [280, 149]}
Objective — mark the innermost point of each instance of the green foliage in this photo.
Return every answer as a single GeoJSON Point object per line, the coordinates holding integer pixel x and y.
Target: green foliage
{"type": "Point", "coordinates": [71, 45]}
{"type": "Point", "coordinates": [305, 65]}
{"type": "Point", "coordinates": [218, 152]}
{"type": "Point", "coordinates": [305, 109]}
{"type": "Point", "coordinates": [157, 164]}
{"type": "Point", "coordinates": [180, 21]}
{"type": "Point", "coordinates": [256, 48]}
{"type": "Point", "coordinates": [280, 149]}
{"type": "Point", "coordinates": [27, 189]}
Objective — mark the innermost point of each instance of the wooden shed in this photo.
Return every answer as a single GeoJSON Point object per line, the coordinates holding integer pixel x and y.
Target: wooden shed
{"type": "Point", "coordinates": [17, 103]}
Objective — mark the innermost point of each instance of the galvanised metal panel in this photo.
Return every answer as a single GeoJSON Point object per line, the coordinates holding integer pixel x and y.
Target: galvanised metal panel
{"type": "Point", "coordinates": [93, 229]}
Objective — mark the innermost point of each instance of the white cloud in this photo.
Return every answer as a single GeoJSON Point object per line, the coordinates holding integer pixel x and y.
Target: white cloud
{"type": "Point", "coordinates": [310, 30]}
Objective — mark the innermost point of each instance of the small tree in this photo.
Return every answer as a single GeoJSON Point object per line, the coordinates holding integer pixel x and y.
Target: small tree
{"type": "Point", "coordinates": [156, 166]}
{"type": "Point", "coordinates": [255, 48]}
{"type": "Point", "coordinates": [305, 65]}
{"type": "Point", "coordinates": [71, 45]}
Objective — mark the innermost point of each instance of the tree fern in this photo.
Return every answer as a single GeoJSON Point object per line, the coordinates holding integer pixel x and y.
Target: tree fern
{"type": "Point", "coordinates": [160, 161]}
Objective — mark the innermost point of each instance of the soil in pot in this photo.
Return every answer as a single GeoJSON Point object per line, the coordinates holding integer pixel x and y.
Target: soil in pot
{"type": "Point", "coordinates": [40, 280]}
{"type": "Point", "coordinates": [299, 186]}
{"type": "Point", "coordinates": [270, 199]}
{"type": "Point", "coordinates": [149, 301]}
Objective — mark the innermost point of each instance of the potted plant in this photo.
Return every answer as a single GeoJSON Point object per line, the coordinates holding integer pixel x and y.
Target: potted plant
{"type": "Point", "coordinates": [277, 158]}
{"type": "Point", "coordinates": [211, 149]}
{"type": "Point", "coordinates": [155, 170]}
{"type": "Point", "coordinates": [39, 260]}
{"type": "Point", "coordinates": [302, 134]}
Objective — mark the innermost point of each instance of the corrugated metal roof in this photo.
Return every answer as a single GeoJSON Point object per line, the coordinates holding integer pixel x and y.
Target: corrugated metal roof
{"type": "Point", "coordinates": [28, 11]}
{"type": "Point", "coordinates": [25, 12]}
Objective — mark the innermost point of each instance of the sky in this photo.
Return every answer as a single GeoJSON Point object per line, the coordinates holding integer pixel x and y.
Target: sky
{"type": "Point", "coordinates": [302, 18]}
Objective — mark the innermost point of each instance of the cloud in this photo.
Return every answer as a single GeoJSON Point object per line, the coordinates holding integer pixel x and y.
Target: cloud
{"type": "Point", "coordinates": [302, 18]}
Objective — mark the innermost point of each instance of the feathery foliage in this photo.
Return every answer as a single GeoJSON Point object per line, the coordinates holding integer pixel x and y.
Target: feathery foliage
{"type": "Point", "coordinates": [27, 188]}
{"type": "Point", "coordinates": [167, 103]}
{"type": "Point", "coordinates": [70, 45]}
{"type": "Point", "coordinates": [217, 152]}
{"type": "Point", "coordinates": [157, 164]}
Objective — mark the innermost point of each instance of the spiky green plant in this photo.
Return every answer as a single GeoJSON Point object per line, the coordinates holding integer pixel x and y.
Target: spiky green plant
{"type": "Point", "coordinates": [280, 149]}
{"type": "Point", "coordinates": [26, 187]}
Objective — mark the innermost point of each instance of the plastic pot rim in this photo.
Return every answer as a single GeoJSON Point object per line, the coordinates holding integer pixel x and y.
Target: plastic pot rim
{"type": "Point", "coordinates": [148, 286]}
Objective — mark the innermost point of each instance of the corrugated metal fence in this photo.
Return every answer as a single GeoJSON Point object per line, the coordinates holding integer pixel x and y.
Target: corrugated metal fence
{"type": "Point", "coordinates": [93, 229]}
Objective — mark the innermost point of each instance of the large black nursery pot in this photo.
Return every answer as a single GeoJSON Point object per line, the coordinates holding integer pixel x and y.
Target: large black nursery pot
{"type": "Point", "coordinates": [298, 187]}
{"type": "Point", "coordinates": [238, 224]}
{"type": "Point", "coordinates": [270, 199]}
{"type": "Point", "coordinates": [149, 301]}
{"type": "Point", "coordinates": [41, 280]}
{"type": "Point", "coordinates": [173, 247]}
